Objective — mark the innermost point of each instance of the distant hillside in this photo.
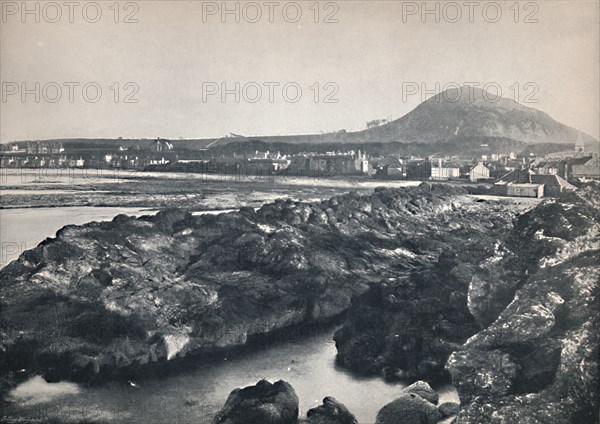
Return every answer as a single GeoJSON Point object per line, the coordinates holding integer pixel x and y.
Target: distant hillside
{"type": "Point", "coordinates": [455, 116]}
{"type": "Point", "coordinates": [441, 118]}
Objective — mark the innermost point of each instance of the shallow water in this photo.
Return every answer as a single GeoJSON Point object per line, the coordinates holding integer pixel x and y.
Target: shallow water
{"type": "Point", "coordinates": [67, 177]}
{"type": "Point", "coordinates": [307, 363]}
{"type": "Point", "coordinates": [24, 228]}
{"type": "Point", "coordinates": [61, 176]}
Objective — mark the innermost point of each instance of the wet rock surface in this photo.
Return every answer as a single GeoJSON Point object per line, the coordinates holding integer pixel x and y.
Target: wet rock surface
{"type": "Point", "coordinates": [277, 403]}
{"type": "Point", "coordinates": [417, 404]}
{"type": "Point", "coordinates": [482, 373]}
{"type": "Point", "coordinates": [266, 402]}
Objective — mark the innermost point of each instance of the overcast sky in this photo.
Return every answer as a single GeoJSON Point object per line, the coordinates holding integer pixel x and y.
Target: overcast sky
{"type": "Point", "coordinates": [178, 53]}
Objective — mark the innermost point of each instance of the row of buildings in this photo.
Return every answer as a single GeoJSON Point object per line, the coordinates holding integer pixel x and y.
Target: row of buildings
{"type": "Point", "coordinates": [444, 170]}
{"type": "Point", "coordinates": [160, 155]}
{"type": "Point", "coordinates": [551, 175]}
{"type": "Point", "coordinates": [33, 148]}
{"type": "Point", "coordinates": [267, 163]}
{"type": "Point", "coordinates": [497, 169]}
{"type": "Point", "coordinates": [509, 175]}
{"type": "Point", "coordinates": [100, 161]}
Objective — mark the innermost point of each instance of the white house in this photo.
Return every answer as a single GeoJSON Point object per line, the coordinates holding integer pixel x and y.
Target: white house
{"type": "Point", "coordinates": [445, 171]}
{"type": "Point", "coordinates": [479, 172]}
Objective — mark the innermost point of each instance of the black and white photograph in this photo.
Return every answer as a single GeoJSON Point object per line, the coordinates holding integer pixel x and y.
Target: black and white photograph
{"type": "Point", "coordinates": [299, 212]}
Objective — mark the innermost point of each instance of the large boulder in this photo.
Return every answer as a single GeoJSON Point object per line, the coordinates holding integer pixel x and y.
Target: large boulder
{"type": "Point", "coordinates": [488, 295]}
{"type": "Point", "coordinates": [264, 403]}
{"type": "Point", "coordinates": [424, 390]}
{"type": "Point", "coordinates": [524, 320]}
{"type": "Point", "coordinates": [330, 412]}
{"type": "Point", "coordinates": [409, 408]}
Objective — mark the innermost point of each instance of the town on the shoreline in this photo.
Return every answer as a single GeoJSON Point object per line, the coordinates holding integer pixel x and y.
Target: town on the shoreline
{"type": "Point", "coordinates": [517, 175]}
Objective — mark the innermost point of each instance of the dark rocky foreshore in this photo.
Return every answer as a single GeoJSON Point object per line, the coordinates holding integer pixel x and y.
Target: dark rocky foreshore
{"type": "Point", "coordinates": [531, 305]}
{"type": "Point", "coordinates": [104, 298]}
{"type": "Point", "coordinates": [435, 283]}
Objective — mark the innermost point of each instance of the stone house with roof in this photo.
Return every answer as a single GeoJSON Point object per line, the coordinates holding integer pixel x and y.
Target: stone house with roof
{"type": "Point", "coordinates": [525, 180]}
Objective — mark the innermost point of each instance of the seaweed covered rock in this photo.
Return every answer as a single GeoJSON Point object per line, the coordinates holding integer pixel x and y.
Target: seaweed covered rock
{"type": "Point", "coordinates": [264, 403]}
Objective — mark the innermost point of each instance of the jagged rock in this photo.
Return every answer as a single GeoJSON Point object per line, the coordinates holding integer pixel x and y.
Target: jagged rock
{"type": "Point", "coordinates": [543, 324]}
{"type": "Point", "coordinates": [424, 390]}
{"type": "Point", "coordinates": [247, 210]}
{"type": "Point", "coordinates": [330, 412]}
{"type": "Point", "coordinates": [529, 409]}
{"type": "Point", "coordinates": [524, 320]}
{"type": "Point", "coordinates": [265, 402]}
{"type": "Point", "coordinates": [406, 327]}
{"type": "Point", "coordinates": [409, 408]}
{"type": "Point", "coordinates": [448, 409]}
